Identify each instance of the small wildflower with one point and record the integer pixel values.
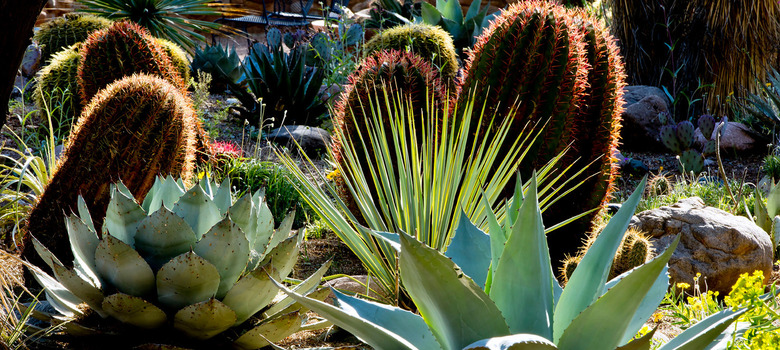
(333, 174)
(683, 286)
(226, 150)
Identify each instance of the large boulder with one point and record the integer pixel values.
(735, 138)
(313, 141)
(641, 126)
(359, 284)
(717, 244)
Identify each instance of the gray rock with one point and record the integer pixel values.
(641, 126)
(355, 284)
(736, 137)
(31, 62)
(314, 141)
(717, 244)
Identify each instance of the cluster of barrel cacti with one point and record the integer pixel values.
(635, 249)
(680, 139)
(67, 30)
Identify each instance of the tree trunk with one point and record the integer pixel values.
(17, 19)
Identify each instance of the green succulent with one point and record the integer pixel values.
(448, 15)
(195, 260)
(223, 65)
(178, 57)
(498, 291)
(67, 30)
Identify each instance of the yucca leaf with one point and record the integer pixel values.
(205, 319)
(523, 283)
(270, 331)
(704, 332)
(470, 248)
(587, 282)
(198, 210)
(120, 265)
(162, 236)
(225, 246)
(123, 215)
(186, 279)
(134, 310)
(515, 341)
(456, 310)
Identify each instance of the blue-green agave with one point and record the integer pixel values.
(195, 260)
(498, 291)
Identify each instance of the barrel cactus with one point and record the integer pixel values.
(123, 49)
(634, 250)
(67, 30)
(134, 129)
(192, 259)
(58, 78)
(560, 70)
(429, 42)
(177, 56)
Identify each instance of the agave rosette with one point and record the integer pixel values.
(195, 260)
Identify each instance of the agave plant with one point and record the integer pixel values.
(223, 65)
(449, 15)
(168, 19)
(498, 291)
(194, 260)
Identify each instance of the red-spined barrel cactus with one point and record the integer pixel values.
(560, 69)
(134, 130)
(393, 74)
(123, 49)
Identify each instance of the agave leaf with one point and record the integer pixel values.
(265, 223)
(123, 267)
(522, 341)
(514, 205)
(283, 257)
(227, 248)
(303, 288)
(207, 187)
(120, 186)
(497, 240)
(704, 332)
(80, 288)
(390, 238)
(724, 339)
(319, 294)
(223, 198)
(250, 294)
(83, 243)
(450, 9)
(243, 214)
(186, 279)
(46, 255)
(642, 343)
(279, 235)
(456, 310)
(649, 304)
(473, 10)
(773, 201)
(162, 236)
(615, 309)
(56, 294)
(587, 281)
(81, 206)
(470, 248)
(123, 216)
(430, 14)
(523, 284)
(198, 210)
(205, 319)
(134, 310)
(166, 193)
(366, 330)
(270, 332)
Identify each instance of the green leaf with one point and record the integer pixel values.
(57, 295)
(704, 332)
(283, 257)
(367, 331)
(162, 236)
(198, 210)
(46, 255)
(456, 310)
(303, 288)
(204, 320)
(587, 281)
(165, 192)
(642, 343)
(615, 309)
(470, 249)
(134, 310)
(225, 246)
(84, 213)
(80, 287)
(451, 10)
(430, 14)
(123, 267)
(250, 294)
(83, 242)
(473, 10)
(270, 332)
(523, 284)
(186, 280)
(649, 304)
(223, 198)
(513, 342)
(123, 215)
(279, 235)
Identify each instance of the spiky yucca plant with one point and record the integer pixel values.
(65, 31)
(559, 68)
(134, 129)
(191, 259)
(60, 74)
(121, 50)
(429, 42)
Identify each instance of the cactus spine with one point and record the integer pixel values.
(133, 130)
(177, 56)
(58, 76)
(123, 49)
(67, 30)
(559, 68)
(635, 249)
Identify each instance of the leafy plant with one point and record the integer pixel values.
(386, 14)
(771, 167)
(287, 86)
(203, 266)
(498, 291)
(336, 50)
(169, 19)
(448, 15)
(762, 109)
(223, 65)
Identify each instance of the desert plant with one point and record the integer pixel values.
(177, 56)
(286, 84)
(558, 67)
(771, 167)
(65, 31)
(223, 65)
(634, 250)
(168, 19)
(118, 51)
(762, 108)
(498, 291)
(429, 42)
(134, 129)
(335, 51)
(679, 139)
(61, 74)
(448, 15)
(203, 266)
(386, 14)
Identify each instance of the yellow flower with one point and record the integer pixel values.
(333, 174)
(683, 286)
(657, 317)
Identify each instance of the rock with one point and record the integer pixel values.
(717, 244)
(736, 137)
(354, 284)
(31, 62)
(641, 125)
(314, 141)
(328, 93)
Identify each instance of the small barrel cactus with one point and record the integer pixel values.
(194, 260)
(123, 49)
(177, 56)
(134, 129)
(635, 249)
(65, 31)
(58, 78)
(429, 42)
